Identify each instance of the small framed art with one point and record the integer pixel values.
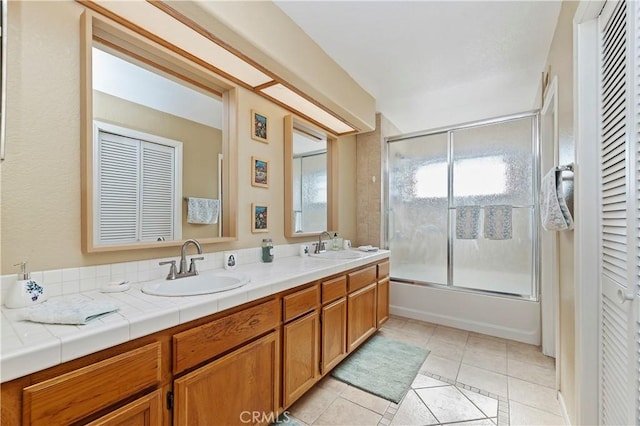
(259, 126)
(259, 172)
(259, 217)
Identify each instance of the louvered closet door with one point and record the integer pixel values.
(618, 201)
(158, 197)
(117, 176)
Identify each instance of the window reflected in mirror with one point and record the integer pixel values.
(310, 179)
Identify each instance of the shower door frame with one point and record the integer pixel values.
(536, 236)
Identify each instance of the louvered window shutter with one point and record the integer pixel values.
(136, 190)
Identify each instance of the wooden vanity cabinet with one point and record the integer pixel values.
(301, 343)
(241, 366)
(233, 389)
(233, 386)
(361, 306)
(145, 411)
(334, 334)
(88, 390)
(383, 292)
(334, 322)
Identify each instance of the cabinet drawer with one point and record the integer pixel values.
(334, 289)
(199, 344)
(383, 270)
(301, 302)
(77, 394)
(362, 278)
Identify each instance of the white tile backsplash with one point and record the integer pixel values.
(65, 281)
(52, 277)
(70, 274)
(87, 272)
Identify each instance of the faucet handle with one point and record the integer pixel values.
(192, 265)
(173, 271)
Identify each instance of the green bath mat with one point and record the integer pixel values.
(383, 367)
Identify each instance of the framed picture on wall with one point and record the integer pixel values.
(259, 217)
(259, 126)
(259, 172)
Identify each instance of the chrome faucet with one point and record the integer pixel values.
(319, 246)
(184, 272)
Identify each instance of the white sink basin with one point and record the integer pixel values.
(205, 283)
(338, 254)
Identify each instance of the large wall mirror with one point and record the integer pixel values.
(156, 151)
(311, 179)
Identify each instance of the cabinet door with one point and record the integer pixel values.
(334, 334)
(238, 389)
(145, 411)
(383, 301)
(301, 355)
(361, 308)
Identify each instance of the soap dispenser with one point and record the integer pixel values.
(25, 292)
(335, 244)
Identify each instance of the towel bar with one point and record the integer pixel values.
(565, 168)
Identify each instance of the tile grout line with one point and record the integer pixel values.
(503, 402)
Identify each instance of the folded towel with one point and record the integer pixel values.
(498, 222)
(467, 222)
(202, 210)
(70, 311)
(554, 213)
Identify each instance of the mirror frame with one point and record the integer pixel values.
(332, 179)
(97, 28)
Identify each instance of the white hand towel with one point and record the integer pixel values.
(498, 222)
(202, 210)
(70, 311)
(467, 222)
(554, 212)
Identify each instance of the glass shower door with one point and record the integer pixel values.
(418, 208)
(493, 178)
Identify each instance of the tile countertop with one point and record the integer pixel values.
(27, 347)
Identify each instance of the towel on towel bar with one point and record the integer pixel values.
(202, 210)
(467, 222)
(498, 222)
(554, 213)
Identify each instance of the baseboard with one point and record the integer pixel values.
(469, 325)
(563, 409)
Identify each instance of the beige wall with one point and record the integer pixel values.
(560, 60)
(40, 194)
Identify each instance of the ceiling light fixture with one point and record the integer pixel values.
(161, 23)
(283, 95)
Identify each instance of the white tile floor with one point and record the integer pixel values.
(467, 379)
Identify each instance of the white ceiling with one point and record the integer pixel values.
(436, 63)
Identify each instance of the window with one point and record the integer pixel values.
(138, 186)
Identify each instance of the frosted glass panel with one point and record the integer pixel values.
(490, 168)
(493, 164)
(310, 192)
(503, 266)
(418, 209)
